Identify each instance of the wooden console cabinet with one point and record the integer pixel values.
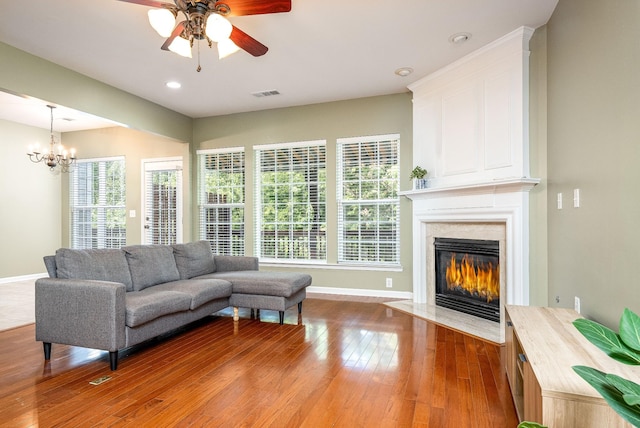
(541, 347)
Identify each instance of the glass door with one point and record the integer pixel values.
(162, 205)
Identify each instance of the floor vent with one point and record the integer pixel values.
(100, 380)
(265, 93)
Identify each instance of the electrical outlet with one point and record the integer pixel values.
(389, 282)
(576, 304)
(557, 299)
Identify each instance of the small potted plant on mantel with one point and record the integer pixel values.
(418, 175)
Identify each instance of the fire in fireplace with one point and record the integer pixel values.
(468, 276)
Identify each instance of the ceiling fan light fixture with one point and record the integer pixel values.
(218, 27)
(181, 46)
(162, 20)
(226, 47)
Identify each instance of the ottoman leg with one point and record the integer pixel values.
(281, 313)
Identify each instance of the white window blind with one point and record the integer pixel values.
(221, 199)
(290, 202)
(368, 201)
(97, 204)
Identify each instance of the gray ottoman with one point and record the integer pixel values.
(276, 291)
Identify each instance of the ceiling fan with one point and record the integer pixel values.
(206, 20)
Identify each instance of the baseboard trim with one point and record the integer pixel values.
(23, 277)
(361, 292)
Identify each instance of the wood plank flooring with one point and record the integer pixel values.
(341, 364)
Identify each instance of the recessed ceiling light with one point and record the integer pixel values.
(404, 71)
(459, 38)
(174, 85)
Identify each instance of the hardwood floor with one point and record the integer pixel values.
(346, 364)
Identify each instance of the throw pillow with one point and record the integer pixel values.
(194, 259)
(150, 265)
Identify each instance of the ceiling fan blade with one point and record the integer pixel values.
(151, 3)
(257, 7)
(246, 42)
(175, 33)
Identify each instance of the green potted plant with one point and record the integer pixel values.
(418, 175)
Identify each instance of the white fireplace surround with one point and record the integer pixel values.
(501, 202)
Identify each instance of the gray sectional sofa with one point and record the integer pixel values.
(111, 299)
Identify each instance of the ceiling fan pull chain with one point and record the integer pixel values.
(199, 68)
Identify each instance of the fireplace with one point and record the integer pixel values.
(467, 276)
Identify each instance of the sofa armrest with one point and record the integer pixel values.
(235, 263)
(79, 312)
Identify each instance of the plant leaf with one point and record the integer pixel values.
(623, 385)
(631, 399)
(630, 329)
(610, 393)
(527, 424)
(601, 336)
(626, 356)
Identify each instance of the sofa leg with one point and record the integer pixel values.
(252, 313)
(299, 308)
(235, 313)
(281, 313)
(113, 360)
(47, 350)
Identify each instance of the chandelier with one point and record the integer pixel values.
(56, 156)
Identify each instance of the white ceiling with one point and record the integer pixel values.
(323, 50)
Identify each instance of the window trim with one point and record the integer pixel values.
(340, 202)
(257, 201)
(73, 206)
(200, 192)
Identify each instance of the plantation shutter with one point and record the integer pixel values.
(97, 203)
(290, 202)
(368, 200)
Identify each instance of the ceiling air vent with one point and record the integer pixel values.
(265, 93)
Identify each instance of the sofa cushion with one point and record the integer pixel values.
(283, 284)
(194, 259)
(200, 291)
(93, 264)
(147, 305)
(150, 265)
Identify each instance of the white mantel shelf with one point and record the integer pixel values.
(494, 186)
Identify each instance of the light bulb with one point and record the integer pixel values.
(226, 47)
(181, 46)
(218, 27)
(162, 20)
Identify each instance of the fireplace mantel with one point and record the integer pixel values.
(494, 186)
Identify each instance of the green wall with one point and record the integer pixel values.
(329, 121)
(594, 146)
(538, 227)
(25, 74)
(30, 211)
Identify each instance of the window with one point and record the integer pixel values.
(368, 201)
(290, 202)
(221, 199)
(97, 204)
